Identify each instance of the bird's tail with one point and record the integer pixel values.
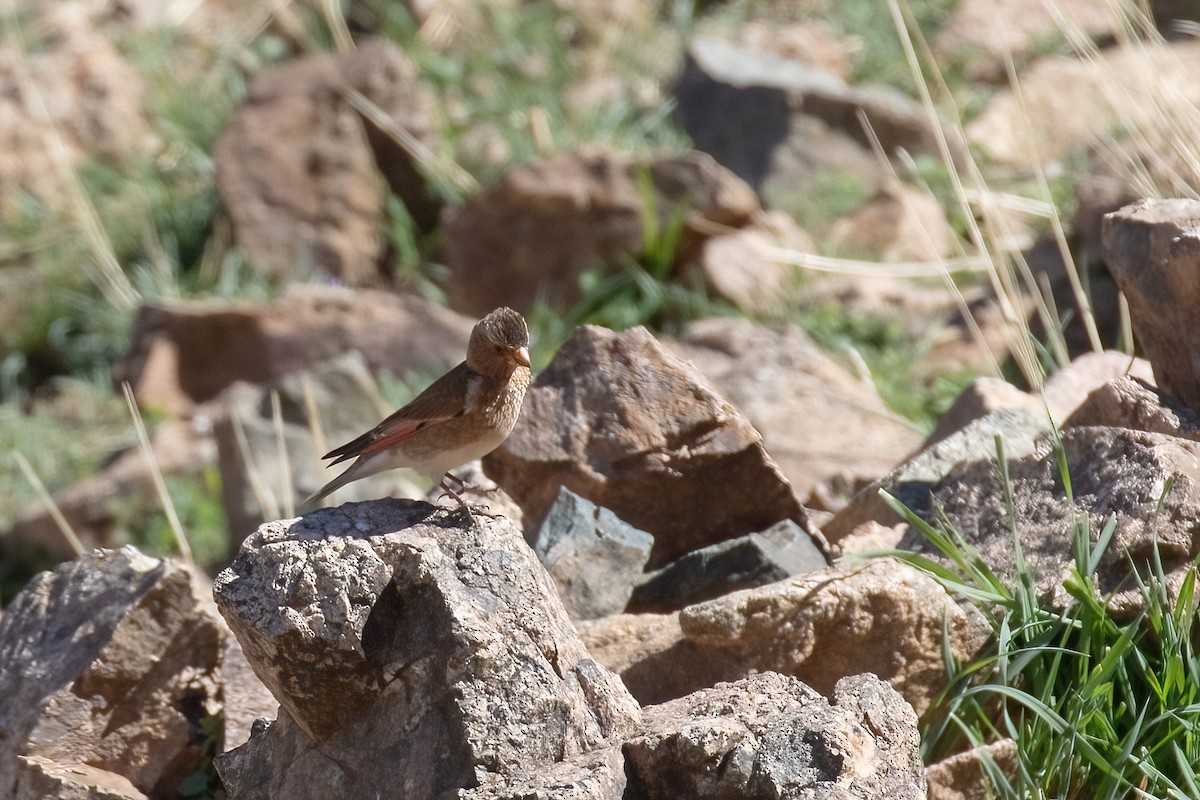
(352, 474)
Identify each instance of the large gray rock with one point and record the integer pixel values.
(1153, 250)
(414, 652)
(111, 661)
(619, 420)
(769, 736)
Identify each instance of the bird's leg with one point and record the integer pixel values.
(464, 486)
(445, 487)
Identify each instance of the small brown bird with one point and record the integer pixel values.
(463, 415)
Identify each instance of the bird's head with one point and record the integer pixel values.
(499, 344)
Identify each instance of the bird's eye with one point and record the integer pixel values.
(499, 348)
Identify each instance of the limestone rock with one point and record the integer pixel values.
(299, 166)
(822, 425)
(414, 652)
(772, 736)
(544, 223)
(619, 420)
(743, 267)
(186, 353)
(1153, 250)
(40, 778)
(594, 557)
(111, 661)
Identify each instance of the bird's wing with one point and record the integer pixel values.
(446, 398)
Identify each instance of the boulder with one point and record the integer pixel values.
(619, 420)
(186, 353)
(302, 171)
(1134, 404)
(822, 425)
(1153, 250)
(771, 736)
(414, 652)
(111, 661)
(533, 234)
(595, 559)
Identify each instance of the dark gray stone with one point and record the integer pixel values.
(756, 559)
(594, 557)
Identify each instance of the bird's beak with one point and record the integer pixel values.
(522, 357)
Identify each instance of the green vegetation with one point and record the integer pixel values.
(1099, 705)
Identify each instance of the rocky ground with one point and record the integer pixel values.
(674, 592)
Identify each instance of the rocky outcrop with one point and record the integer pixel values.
(109, 667)
(394, 629)
(620, 421)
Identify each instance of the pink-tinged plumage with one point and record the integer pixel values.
(462, 416)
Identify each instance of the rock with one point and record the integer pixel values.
(258, 481)
(619, 420)
(187, 353)
(1147, 481)
(744, 267)
(813, 42)
(881, 617)
(1153, 250)
(981, 397)
(1062, 394)
(246, 698)
(898, 224)
(78, 85)
(545, 223)
(772, 736)
(299, 168)
(1018, 132)
(1132, 403)
(778, 124)
(779, 552)
(962, 776)
(594, 558)
(40, 778)
(868, 523)
(111, 661)
(984, 32)
(98, 507)
(598, 775)
(409, 655)
(823, 426)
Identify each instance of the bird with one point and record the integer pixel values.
(463, 415)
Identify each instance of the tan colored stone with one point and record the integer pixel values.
(898, 224)
(962, 777)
